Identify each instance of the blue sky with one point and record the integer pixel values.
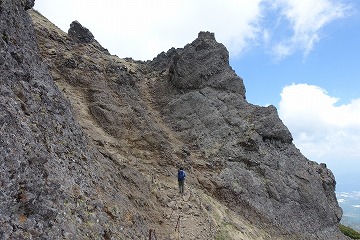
(301, 56)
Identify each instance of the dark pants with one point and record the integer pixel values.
(181, 186)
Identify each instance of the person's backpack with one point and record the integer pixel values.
(181, 175)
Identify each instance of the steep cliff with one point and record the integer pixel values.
(54, 183)
(90, 150)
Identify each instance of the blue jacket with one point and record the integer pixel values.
(181, 175)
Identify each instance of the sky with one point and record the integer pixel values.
(303, 57)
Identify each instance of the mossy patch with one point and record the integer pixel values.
(349, 232)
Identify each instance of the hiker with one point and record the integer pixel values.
(181, 179)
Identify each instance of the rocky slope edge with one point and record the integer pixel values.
(91, 151)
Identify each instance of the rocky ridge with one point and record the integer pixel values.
(91, 151)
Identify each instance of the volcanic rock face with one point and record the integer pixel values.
(53, 181)
(98, 159)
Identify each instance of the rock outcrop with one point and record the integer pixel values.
(254, 168)
(79, 33)
(205, 63)
(90, 150)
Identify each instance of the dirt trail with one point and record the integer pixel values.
(195, 215)
(184, 214)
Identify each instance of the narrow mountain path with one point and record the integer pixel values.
(196, 215)
(184, 214)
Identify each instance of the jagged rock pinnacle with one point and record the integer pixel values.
(206, 35)
(205, 63)
(80, 33)
(29, 4)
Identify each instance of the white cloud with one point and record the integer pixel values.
(348, 195)
(143, 28)
(355, 195)
(322, 130)
(342, 195)
(306, 19)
